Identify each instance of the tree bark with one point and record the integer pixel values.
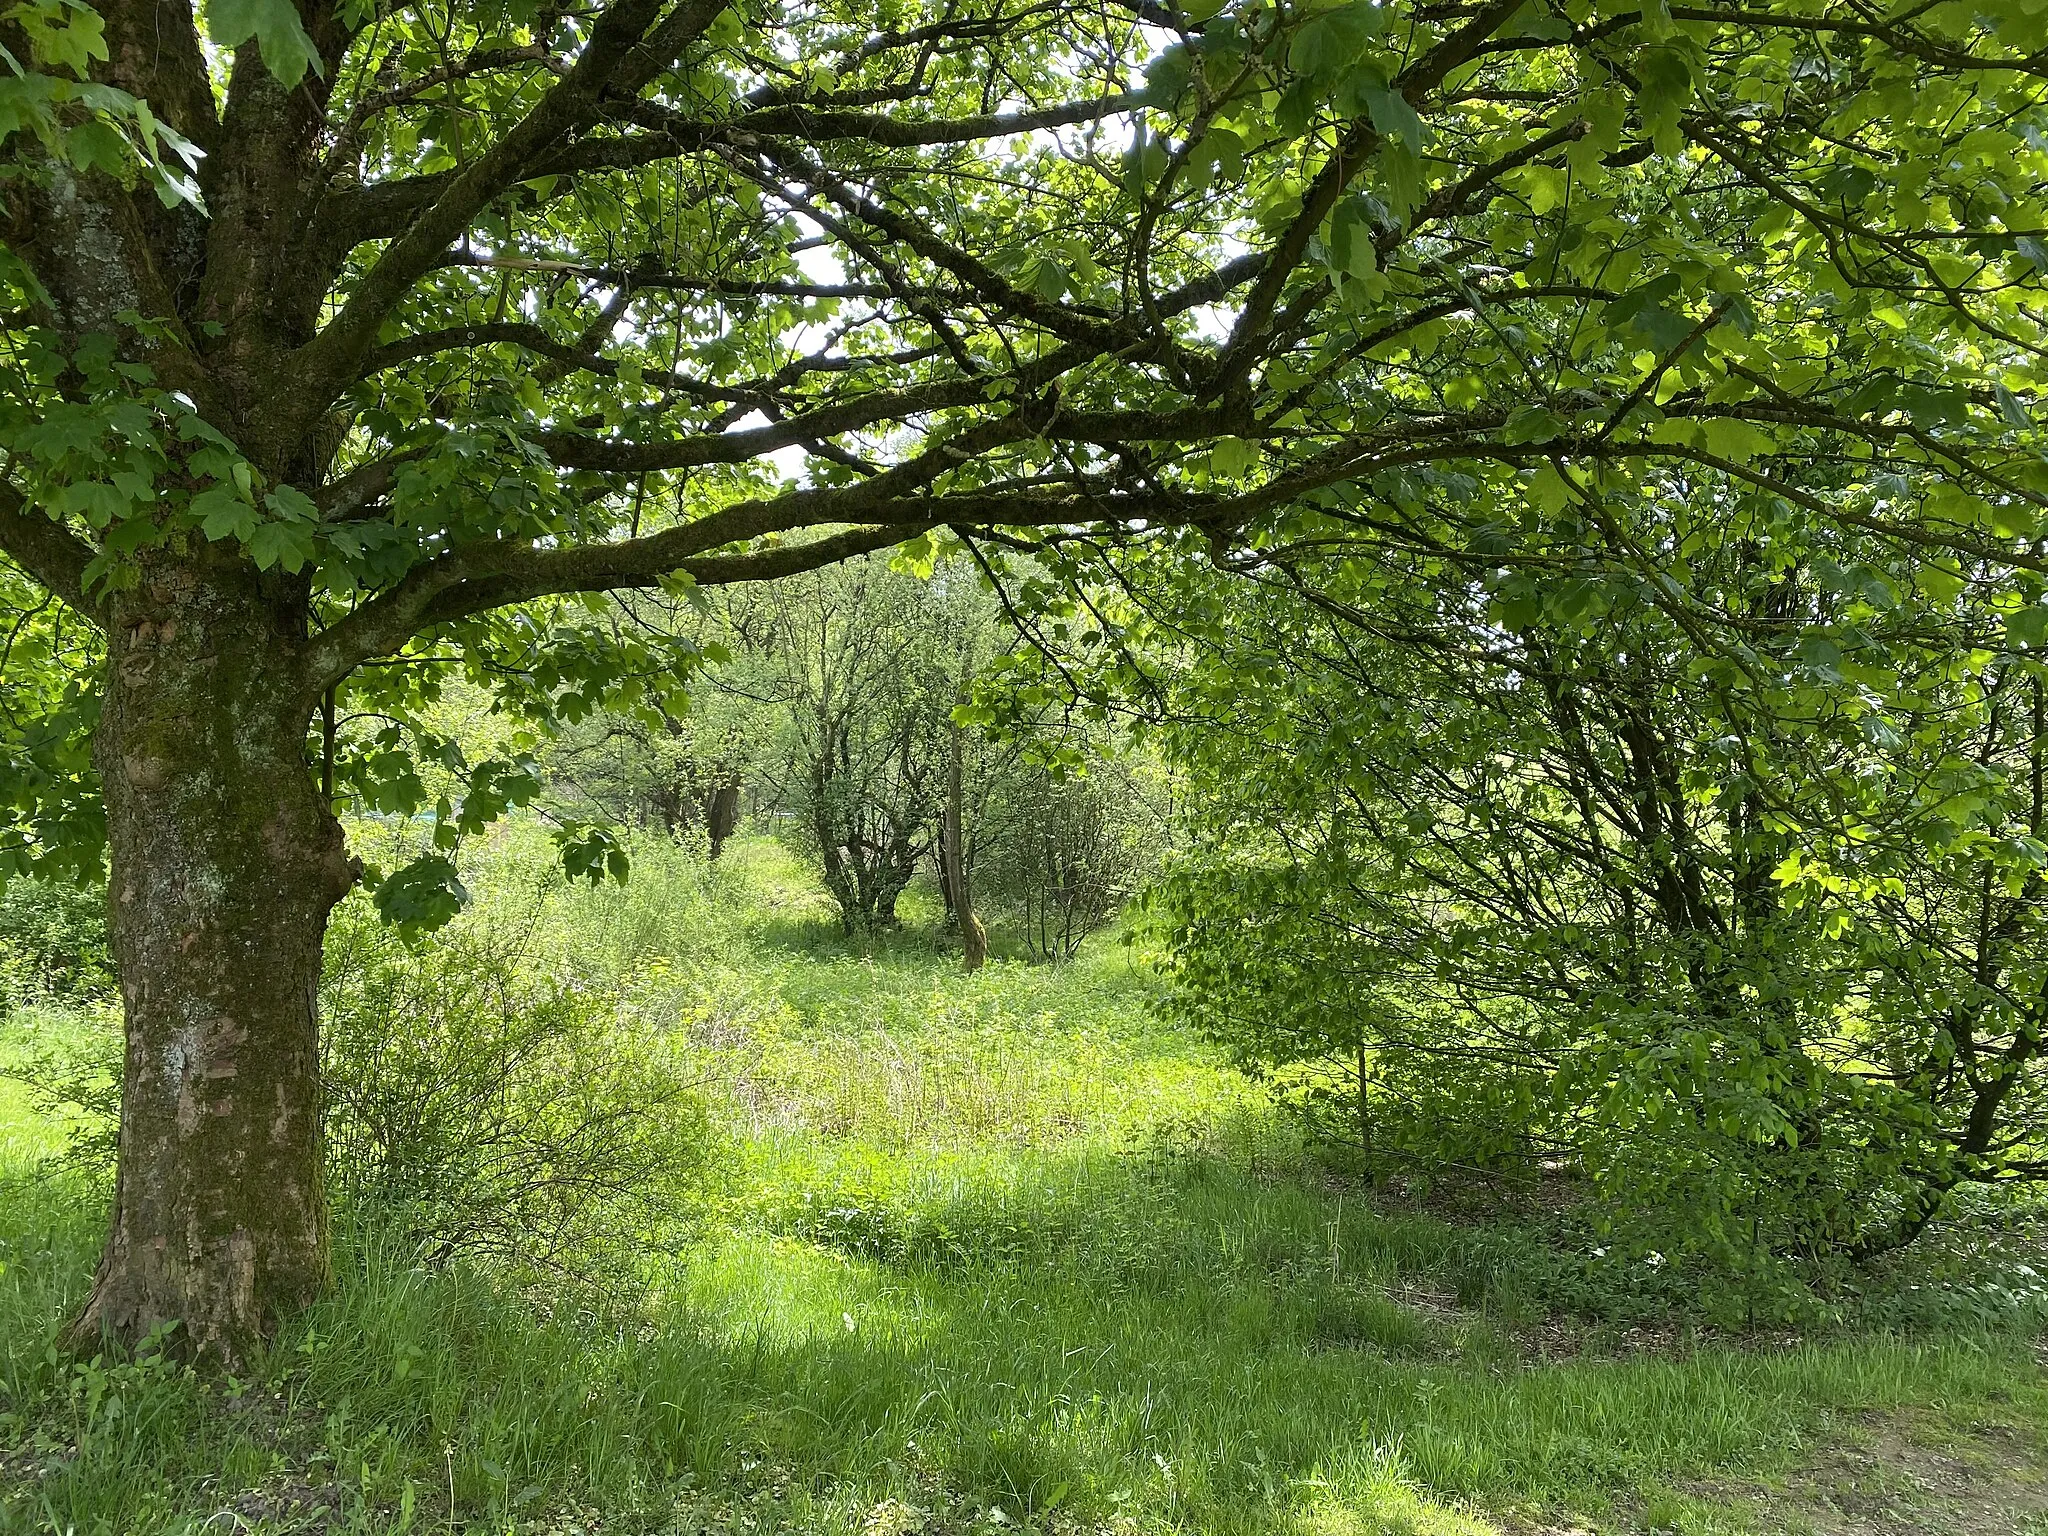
(1365, 1136)
(722, 814)
(953, 871)
(226, 861)
(945, 865)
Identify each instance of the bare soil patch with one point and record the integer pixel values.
(1916, 1474)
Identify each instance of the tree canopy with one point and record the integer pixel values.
(422, 313)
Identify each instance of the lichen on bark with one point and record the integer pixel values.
(226, 861)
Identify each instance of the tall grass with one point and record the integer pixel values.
(988, 1253)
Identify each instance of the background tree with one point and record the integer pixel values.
(855, 665)
(1747, 924)
(345, 335)
(1067, 849)
(682, 756)
(848, 697)
(958, 841)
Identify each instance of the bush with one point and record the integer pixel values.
(1067, 850)
(476, 1104)
(53, 941)
(68, 1064)
(494, 1110)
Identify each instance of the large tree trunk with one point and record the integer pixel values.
(226, 862)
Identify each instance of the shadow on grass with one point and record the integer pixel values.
(1093, 1344)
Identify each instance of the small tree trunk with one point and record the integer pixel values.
(973, 941)
(671, 803)
(954, 874)
(892, 871)
(226, 862)
(945, 869)
(1365, 1139)
(722, 815)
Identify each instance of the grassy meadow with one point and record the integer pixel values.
(988, 1253)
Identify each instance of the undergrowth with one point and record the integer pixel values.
(964, 1253)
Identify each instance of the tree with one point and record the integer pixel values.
(1066, 849)
(681, 757)
(1754, 933)
(972, 762)
(847, 655)
(345, 336)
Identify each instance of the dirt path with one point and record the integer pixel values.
(1914, 1476)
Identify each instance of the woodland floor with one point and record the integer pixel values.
(991, 1255)
(1913, 1473)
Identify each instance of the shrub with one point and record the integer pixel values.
(494, 1110)
(1066, 851)
(68, 1064)
(53, 940)
(482, 1098)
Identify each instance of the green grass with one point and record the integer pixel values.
(986, 1253)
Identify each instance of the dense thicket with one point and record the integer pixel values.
(1728, 892)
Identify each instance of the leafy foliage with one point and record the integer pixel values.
(1519, 322)
(1066, 850)
(478, 1107)
(1411, 266)
(1747, 929)
(860, 662)
(490, 1111)
(53, 941)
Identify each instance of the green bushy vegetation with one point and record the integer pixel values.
(951, 1252)
(1517, 534)
(53, 941)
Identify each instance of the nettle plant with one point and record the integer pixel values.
(348, 345)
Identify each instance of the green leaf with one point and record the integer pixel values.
(1400, 179)
(64, 34)
(1940, 583)
(1531, 424)
(1736, 440)
(424, 895)
(1049, 280)
(1225, 150)
(97, 501)
(1547, 488)
(1318, 48)
(1394, 118)
(223, 515)
(132, 534)
(1328, 45)
(292, 504)
(2027, 628)
(1233, 456)
(1666, 88)
(97, 146)
(287, 544)
(1543, 185)
(590, 853)
(280, 37)
(915, 557)
(1350, 240)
